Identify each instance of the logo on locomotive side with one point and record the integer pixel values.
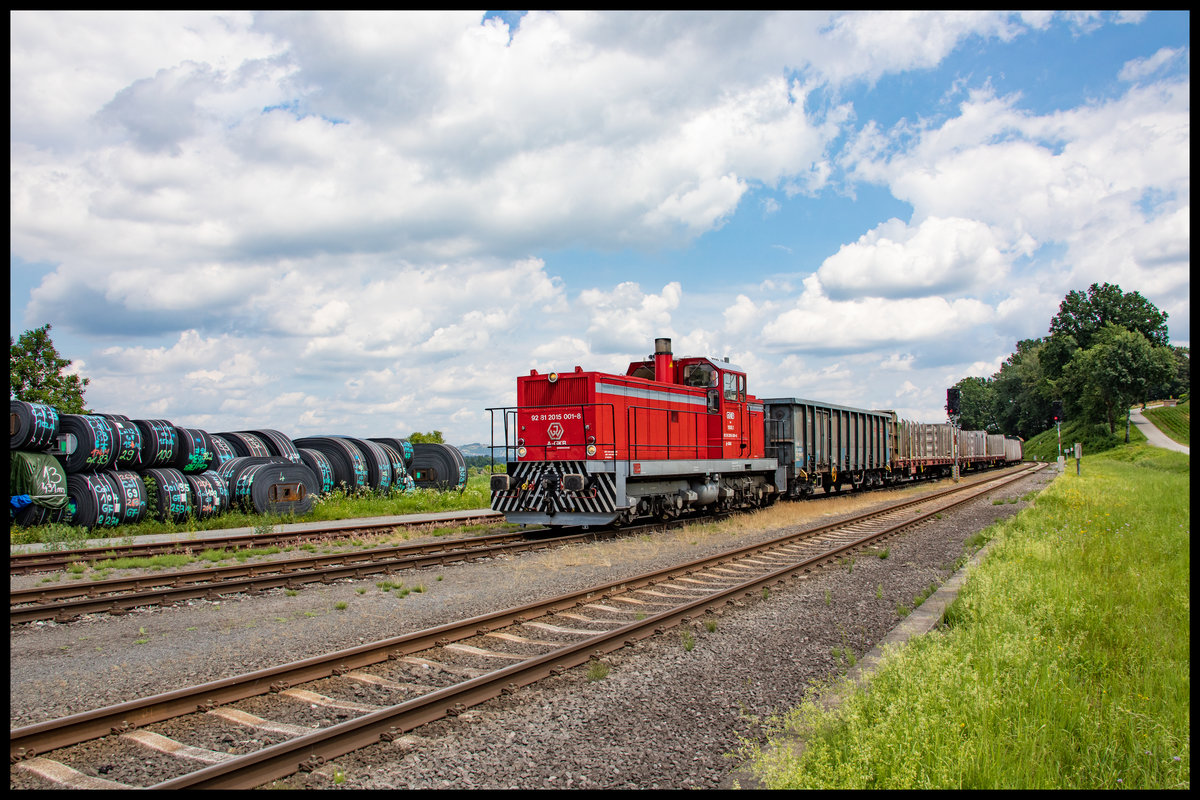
(555, 431)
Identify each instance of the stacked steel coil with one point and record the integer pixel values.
(112, 470)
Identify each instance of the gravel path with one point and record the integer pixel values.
(1155, 436)
(665, 716)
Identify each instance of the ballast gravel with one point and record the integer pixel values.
(671, 712)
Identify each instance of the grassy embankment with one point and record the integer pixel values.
(1174, 421)
(1064, 664)
(1093, 438)
(329, 507)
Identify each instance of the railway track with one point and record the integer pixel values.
(65, 602)
(430, 674)
(47, 561)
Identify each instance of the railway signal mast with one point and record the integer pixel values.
(1058, 416)
(953, 411)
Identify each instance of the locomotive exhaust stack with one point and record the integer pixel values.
(662, 361)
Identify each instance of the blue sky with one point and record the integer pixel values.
(371, 224)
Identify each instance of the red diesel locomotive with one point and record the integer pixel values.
(674, 435)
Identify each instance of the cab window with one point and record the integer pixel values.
(735, 387)
(700, 375)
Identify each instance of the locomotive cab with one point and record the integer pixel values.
(732, 413)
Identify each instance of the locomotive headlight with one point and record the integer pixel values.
(521, 452)
(591, 449)
(552, 377)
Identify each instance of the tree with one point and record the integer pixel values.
(1057, 354)
(433, 437)
(977, 405)
(1180, 381)
(35, 373)
(1104, 380)
(1084, 317)
(1022, 392)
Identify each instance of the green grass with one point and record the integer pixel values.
(327, 508)
(1174, 421)
(597, 670)
(1064, 664)
(1094, 438)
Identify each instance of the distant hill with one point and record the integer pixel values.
(479, 449)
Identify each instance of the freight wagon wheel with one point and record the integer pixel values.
(32, 426)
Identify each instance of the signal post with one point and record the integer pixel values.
(953, 412)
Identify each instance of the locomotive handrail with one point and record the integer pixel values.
(513, 411)
(631, 424)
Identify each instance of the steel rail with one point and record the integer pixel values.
(120, 594)
(22, 563)
(30, 740)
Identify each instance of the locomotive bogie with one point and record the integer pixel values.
(605, 492)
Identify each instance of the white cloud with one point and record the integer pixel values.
(1107, 183)
(818, 323)
(425, 133)
(743, 314)
(941, 256)
(870, 45)
(1138, 68)
(901, 362)
(626, 316)
(1044, 177)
